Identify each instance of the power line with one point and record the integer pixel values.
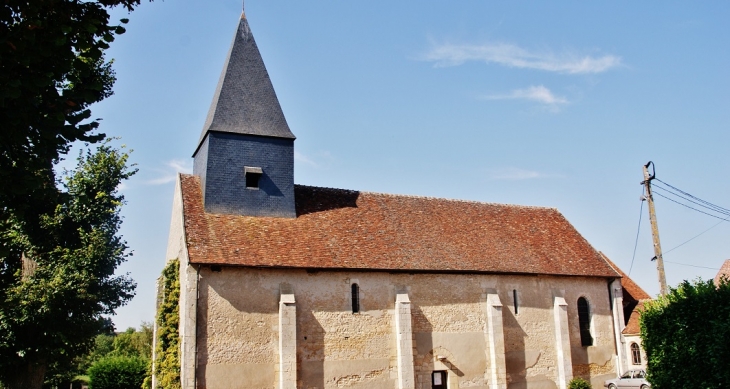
(694, 197)
(684, 264)
(636, 243)
(715, 209)
(692, 238)
(685, 205)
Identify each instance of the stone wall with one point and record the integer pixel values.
(238, 325)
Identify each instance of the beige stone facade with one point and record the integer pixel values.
(238, 330)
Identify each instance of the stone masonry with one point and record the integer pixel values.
(246, 323)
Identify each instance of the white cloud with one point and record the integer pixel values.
(321, 160)
(299, 157)
(516, 174)
(538, 94)
(514, 56)
(170, 171)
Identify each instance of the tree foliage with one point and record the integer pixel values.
(167, 352)
(51, 315)
(134, 343)
(686, 336)
(52, 68)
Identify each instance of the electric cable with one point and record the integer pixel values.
(692, 238)
(717, 209)
(684, 264)
(694, 197)
(636, 243)
(685, 205)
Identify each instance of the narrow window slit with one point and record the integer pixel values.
(355, 298)
(584, 322)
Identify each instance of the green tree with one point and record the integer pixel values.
(51, 311)
(52, 69)
(686, 336)
(134, 343)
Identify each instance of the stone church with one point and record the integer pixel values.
(293, 286)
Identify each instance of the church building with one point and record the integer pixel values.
(292, 286)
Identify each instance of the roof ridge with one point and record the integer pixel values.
(431, 198)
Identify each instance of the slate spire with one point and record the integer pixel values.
(244, 101)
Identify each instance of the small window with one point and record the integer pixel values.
(355, 298)
(253, 176)
(584, 322)
(438, 380)
(635, 354)
(514, 297)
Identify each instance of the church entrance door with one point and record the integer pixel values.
(438, 380)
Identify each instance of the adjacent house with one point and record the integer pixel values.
(724, 272)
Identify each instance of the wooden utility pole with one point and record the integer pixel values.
(654, 228)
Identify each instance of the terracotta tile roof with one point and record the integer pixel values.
(724, 271)
(631, 288)
(343, 229)
(632, 327)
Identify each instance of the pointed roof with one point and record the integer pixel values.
(245, 101)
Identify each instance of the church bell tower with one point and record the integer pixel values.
(245, 155)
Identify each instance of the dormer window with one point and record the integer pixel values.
(253, 176)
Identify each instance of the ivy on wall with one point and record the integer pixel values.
(167, 352)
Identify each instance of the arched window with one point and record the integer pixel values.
(355, 298)
(584, 322)
(635, 354)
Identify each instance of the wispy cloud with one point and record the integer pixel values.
(516, 174)
(299, 157)
(537, 93)
(170, 171)
(321, 159)
(514, 56)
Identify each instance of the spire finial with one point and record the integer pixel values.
(243, 9)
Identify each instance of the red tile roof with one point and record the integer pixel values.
(724, 271)
(343, 229)
(632, 327)
(632, 290)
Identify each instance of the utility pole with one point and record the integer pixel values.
(654, 228)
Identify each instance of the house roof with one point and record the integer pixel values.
(724, 272)
(244, 101)
(632, 327)
(345, 229)
(631, 288)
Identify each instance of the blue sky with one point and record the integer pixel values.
(533, 103)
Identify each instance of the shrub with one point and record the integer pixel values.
(167, 361)
(118, 373)
(579, 383)
(685, 335)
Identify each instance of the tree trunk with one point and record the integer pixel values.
(29, 376)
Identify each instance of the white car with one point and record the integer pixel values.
(630, 379)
